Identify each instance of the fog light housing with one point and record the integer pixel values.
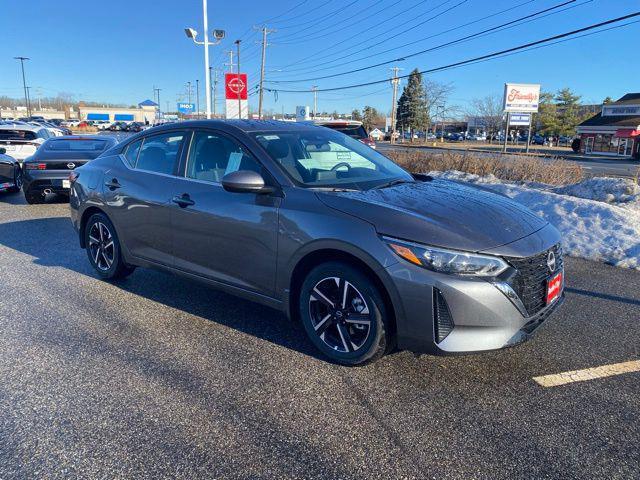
(442, 320)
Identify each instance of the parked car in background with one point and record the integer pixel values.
(117, 126)
(102, 124)
(134, 127)
(22, 141)
(10, 173)
(352, 128)
(314, 223)
(71, 123)
(537, 140)
(47, 171)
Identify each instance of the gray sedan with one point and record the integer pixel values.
(320, 226)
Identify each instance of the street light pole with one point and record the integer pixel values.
(237, 42)
(198, 98)
(206, 59)
(24, 84)
(315, 101)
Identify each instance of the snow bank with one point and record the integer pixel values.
(599, 218)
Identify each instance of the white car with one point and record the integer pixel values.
(22, 141)
(55, 132)
(102, 124)
(71, 123)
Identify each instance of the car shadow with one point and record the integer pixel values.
(17, 198)
(603, 296)
(52, 242)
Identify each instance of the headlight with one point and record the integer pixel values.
(448, 261)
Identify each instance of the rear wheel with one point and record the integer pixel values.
(344, 314)
(17, 180)
(103, 248)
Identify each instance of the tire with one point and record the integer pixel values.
(34, 198)
(357, 331)
(17, 181)
(103, 248)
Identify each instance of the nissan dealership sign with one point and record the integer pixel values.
(521, 97)
(236, 94)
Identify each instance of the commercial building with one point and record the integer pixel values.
(615, 130)
(146, 112)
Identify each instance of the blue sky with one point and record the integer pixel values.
(117, 51)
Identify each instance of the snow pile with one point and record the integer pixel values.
(609, 190)
(592, 224)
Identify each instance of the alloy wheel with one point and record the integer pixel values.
(339, 314)
(101, 246)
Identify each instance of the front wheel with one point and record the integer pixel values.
(344, 314)
(103, 248)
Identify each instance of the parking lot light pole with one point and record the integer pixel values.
(218, 35)
(24, 84)
(237, 42)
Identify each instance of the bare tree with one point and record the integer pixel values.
(436, 96)
(489, 110)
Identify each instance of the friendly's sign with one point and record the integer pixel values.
(521, 97)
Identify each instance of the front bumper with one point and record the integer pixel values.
(484, 318)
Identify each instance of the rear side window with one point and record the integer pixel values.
(357, 132)
(131, 154)
(160, 153)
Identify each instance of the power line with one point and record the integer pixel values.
(313, 69)
(272, 19)
(341, 43)
(482, 57)
(437, 47)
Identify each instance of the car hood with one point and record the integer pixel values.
(441, 213)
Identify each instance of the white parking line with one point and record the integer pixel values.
(558, 379)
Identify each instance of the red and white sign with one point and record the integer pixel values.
(554, 287)
(235, 85)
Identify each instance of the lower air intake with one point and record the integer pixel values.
(443, 322)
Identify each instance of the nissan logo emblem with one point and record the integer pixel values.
(71, 166)
(551, 262)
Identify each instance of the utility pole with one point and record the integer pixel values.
(24, 84)
(156, 91)
(237, 42)
(198, 98)
(314, 89)
(265, 32)
(395, 81)
(230, 64)
(28, 101)
(214, 84)
(189, 91)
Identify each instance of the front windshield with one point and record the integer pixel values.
(324, 158)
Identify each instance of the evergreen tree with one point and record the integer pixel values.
(412, 110)
(568, 108)
(369, 117)
(547, 116)
(355, 115)
(608, 100)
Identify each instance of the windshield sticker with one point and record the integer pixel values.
(234, 162)
(343, 155)
(271, 137)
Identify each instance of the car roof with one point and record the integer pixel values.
(338, 122)
(84, 137)
(244, 126)
(15, 126)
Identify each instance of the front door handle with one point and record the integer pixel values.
(183, 200)
(113, 184)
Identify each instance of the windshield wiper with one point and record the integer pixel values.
(397, 181)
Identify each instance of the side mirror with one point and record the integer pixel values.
(245, 181)
(3, 151)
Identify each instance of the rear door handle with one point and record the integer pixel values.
(113, 184)
(183, 200)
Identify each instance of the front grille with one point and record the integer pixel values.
(443, 323)
(530, 280)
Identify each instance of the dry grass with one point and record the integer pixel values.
(554, 172)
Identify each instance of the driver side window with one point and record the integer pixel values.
(213, 155)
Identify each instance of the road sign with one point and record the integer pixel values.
(235, 86)
(521, 97)
(520, 119)
(302, 113)
(186, 108)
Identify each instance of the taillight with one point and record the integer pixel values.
(35, 166)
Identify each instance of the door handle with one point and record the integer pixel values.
(112, 184)
(183, 200)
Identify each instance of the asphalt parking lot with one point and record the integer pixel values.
(158, 376)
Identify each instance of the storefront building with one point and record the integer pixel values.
(615, 130)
